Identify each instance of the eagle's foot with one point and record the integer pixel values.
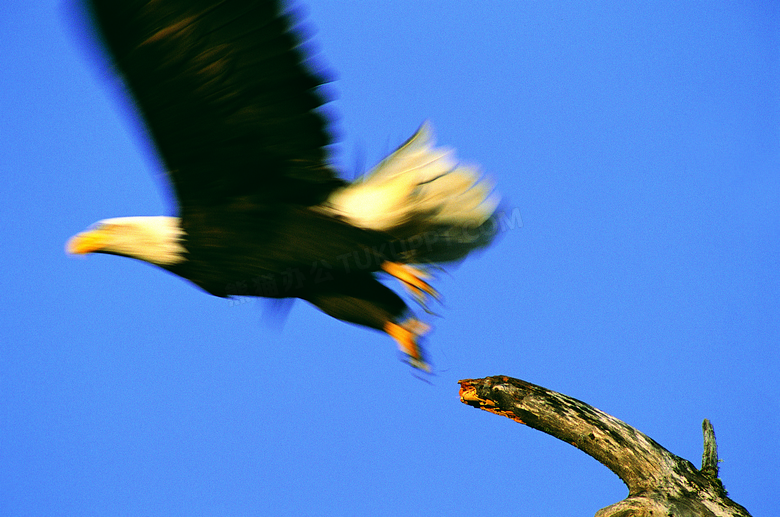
(407, 334)
(414, 280)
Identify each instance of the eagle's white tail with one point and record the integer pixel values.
(419, 188)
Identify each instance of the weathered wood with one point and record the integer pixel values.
(709, 458)
(659, 483)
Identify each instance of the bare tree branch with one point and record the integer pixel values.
(659, 483)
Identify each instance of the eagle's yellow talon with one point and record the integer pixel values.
(414, 279)
(407, 335)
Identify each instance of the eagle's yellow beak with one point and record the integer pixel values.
(87, 242)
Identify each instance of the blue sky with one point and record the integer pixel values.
(639, 142)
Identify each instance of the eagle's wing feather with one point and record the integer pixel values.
(225, 91)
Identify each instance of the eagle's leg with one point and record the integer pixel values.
(414, 280)
(362, 299)
(407, 334)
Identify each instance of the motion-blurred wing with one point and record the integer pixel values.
(223, 88)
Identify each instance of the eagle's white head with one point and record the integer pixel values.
(152, 239)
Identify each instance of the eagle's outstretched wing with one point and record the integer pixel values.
(225, 91)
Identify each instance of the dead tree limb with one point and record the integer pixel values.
(659, 483)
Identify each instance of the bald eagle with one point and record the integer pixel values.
(233, 109)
